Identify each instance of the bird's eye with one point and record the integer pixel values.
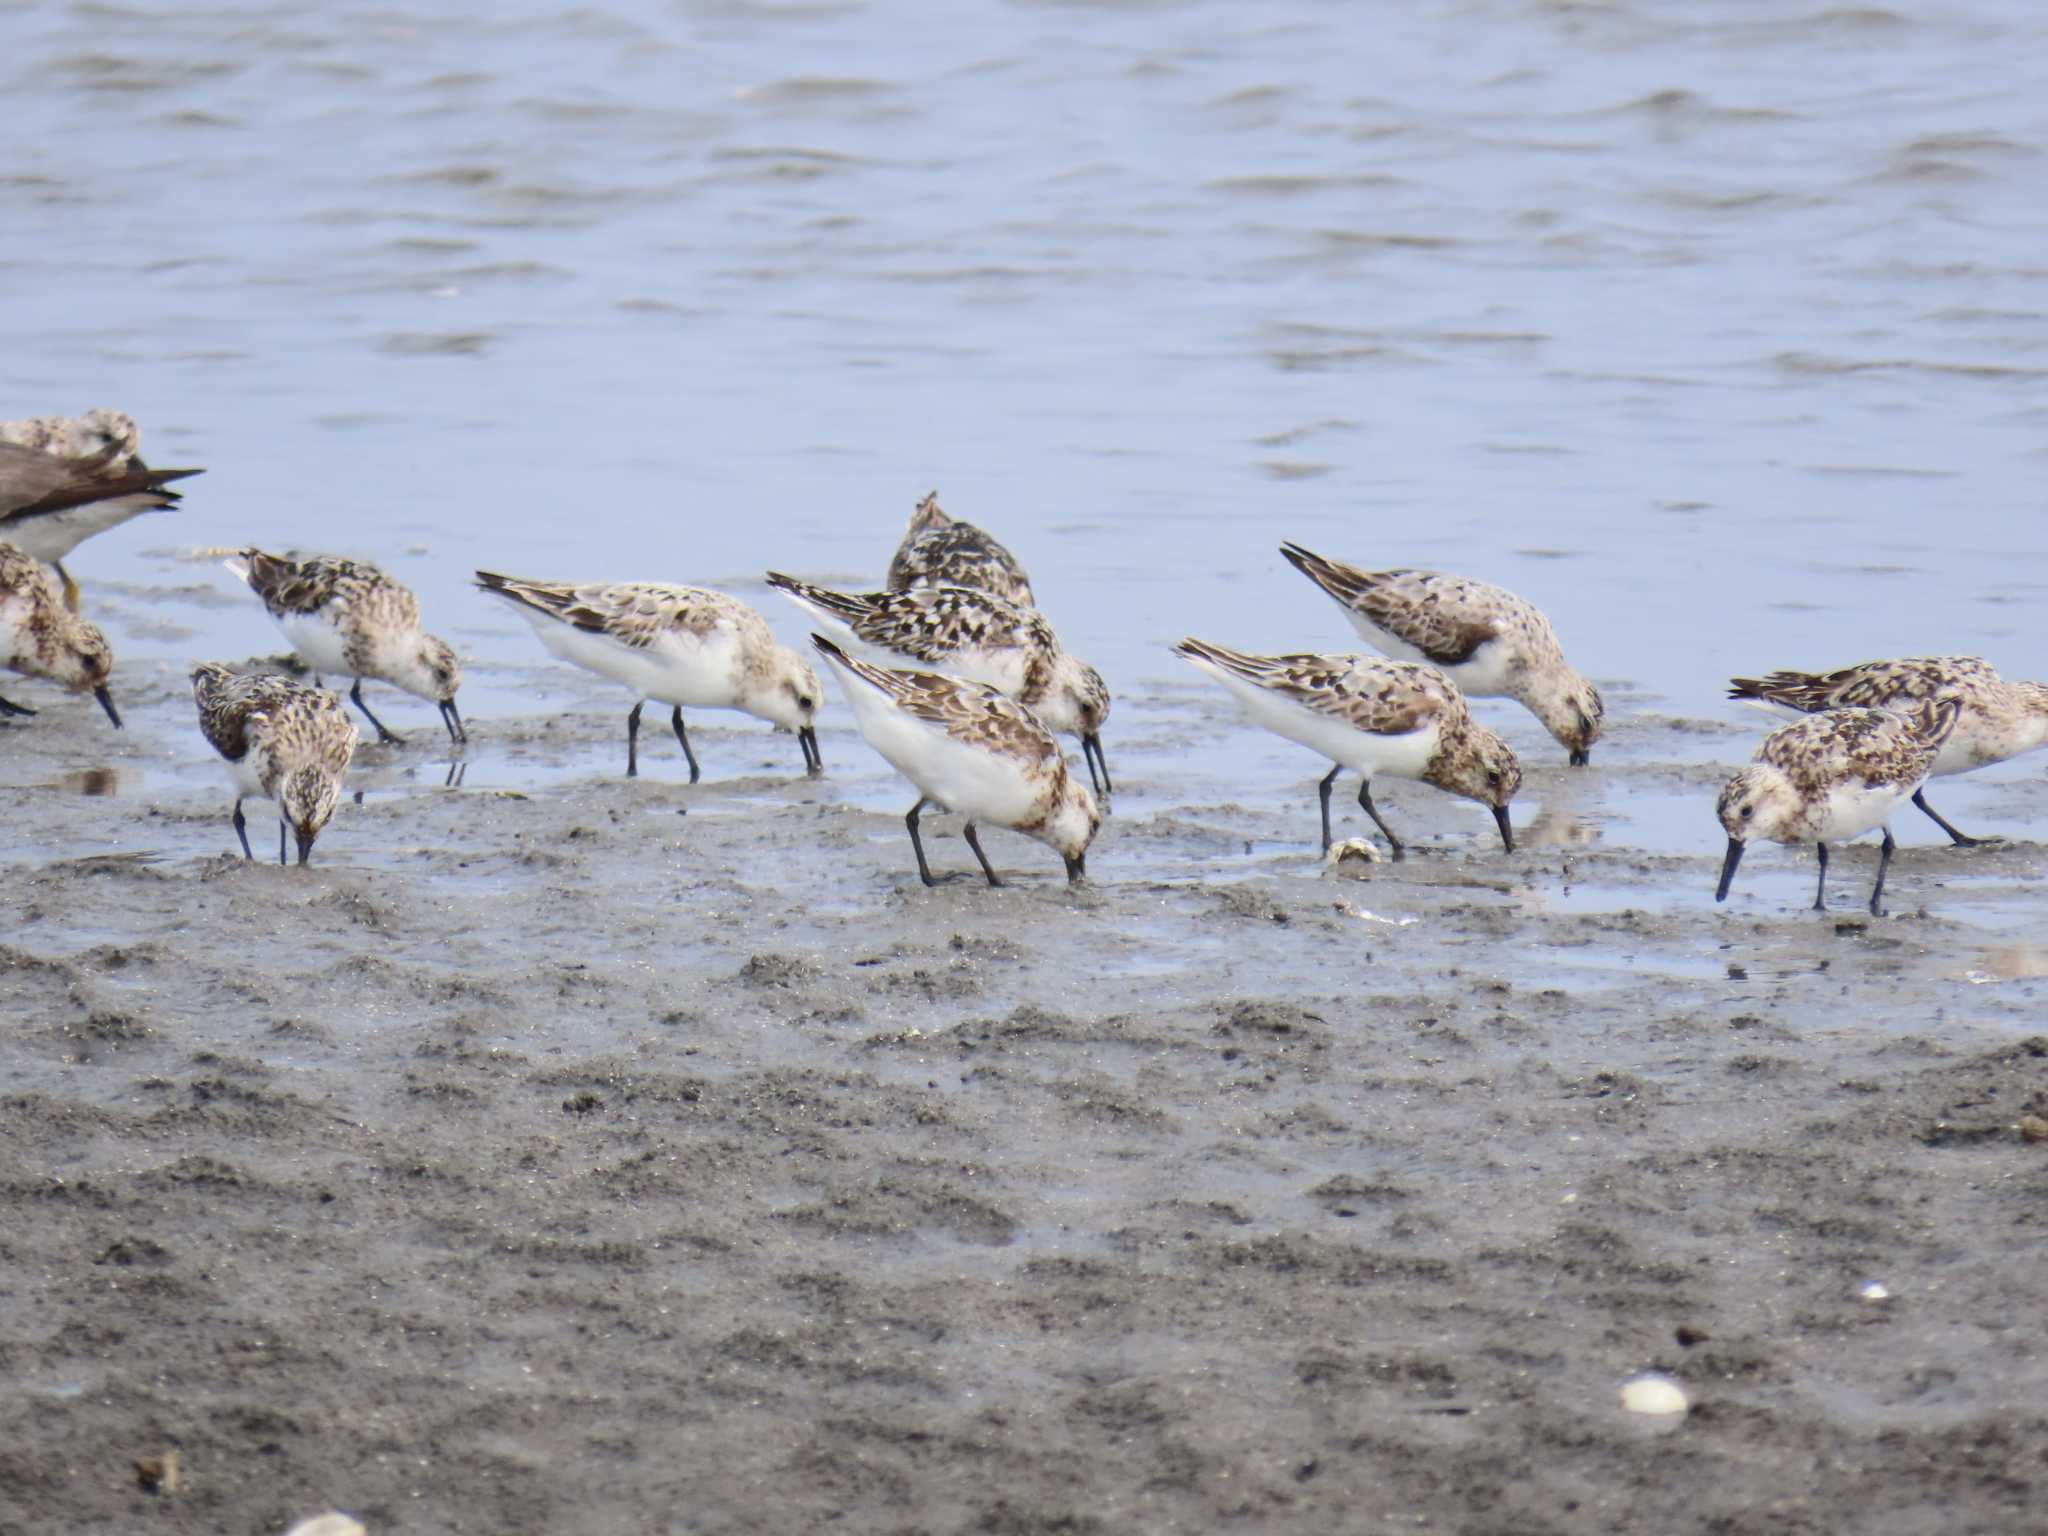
(1493, 778)
(1746, 810)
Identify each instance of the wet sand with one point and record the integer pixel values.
(609, 1156)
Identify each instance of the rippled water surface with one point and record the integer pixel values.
(1718, 330)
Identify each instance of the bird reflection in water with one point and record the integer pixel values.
(88, 781)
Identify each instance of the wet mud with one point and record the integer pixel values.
(600, 1155)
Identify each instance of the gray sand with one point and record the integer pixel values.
(563, 1161)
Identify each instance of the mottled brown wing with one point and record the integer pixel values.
(934, 623)
(1878, 746)
(1868, 684)
(1434, 613)
(969, 712)
(959, 555)
(289, 585)
(1386, 698)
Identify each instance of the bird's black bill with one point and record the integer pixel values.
(1507, 832)
(1580, 758)
(1077, 870)
(9, 711)
(107, 703)
(1091, 749)
(1728, 869)
(807, 738)
(305, 844)
(453, 720)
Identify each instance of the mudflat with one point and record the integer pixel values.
(623, 1156)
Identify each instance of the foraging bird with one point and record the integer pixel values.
(1378, 717)
(977, 636)
(941, 551)
(280, 740)
(972, 749)
(1488, 641)
(677, 645)
(1999, 719)
(41, 637)
(1830, 777)
(348, 617)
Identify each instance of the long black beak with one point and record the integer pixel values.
(1507, 833)
(305, 843)
(1077, 869)
(1581, 757)
(1091, 749)
(453, 720)
(814, 760)
(107, 703)
(1728, 869)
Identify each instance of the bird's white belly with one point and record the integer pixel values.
(1853, 808)
(247, 775)
(699, 674)
(318, 643)
(980, 785)
(1404, 756)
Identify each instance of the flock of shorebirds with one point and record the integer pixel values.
(973, 718)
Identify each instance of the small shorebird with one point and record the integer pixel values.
(281, 740)
(1488, 641)
(41, 637)
(677, 645)
(1830, 777)
(347, 617)
(64, 479)
(1999, 719)
(972, 749)
(978, 636)
(940, 551)
(1392, 717)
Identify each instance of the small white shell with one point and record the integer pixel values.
(333, 1523)
(1352, 857)
(1874, 1291)
(1653, 1394)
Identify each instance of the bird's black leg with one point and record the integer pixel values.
(633, 741)
(1961, 840)
(280, 840)
(242, 829)
(7, 709)
(975, 843)
(684, 737)
(1365, 799)
(1323, 790)
(1884, 858)
(383, 736)
(1820, 891)
(924, 870)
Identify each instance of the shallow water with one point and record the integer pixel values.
(1721, 337)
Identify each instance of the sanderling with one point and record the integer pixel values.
(978, 636)
(1375, 716)
(1831, 777)
(344, 616)
(41, 637)
(676, 645)
(64, 479)
(939, 551)
(972, 749)
(281, 740)
(1488, 641)
(1999, 720)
